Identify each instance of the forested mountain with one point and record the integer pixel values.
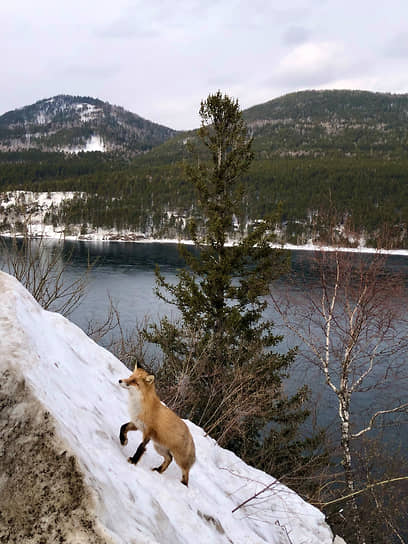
(326, 157)
(78, 123)
(320, 122)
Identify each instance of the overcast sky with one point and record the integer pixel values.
(160, 58)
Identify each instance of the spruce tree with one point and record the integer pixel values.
(220, 366)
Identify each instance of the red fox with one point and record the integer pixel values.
(158, 423)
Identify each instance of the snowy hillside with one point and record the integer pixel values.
(65, 476)
(78, 123)
(41, 213)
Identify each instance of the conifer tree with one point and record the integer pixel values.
(220, 366)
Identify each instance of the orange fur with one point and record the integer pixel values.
(158, 423)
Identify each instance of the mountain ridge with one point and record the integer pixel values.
(310, 122)
(69, 123)
(315, 124)
(330, 121)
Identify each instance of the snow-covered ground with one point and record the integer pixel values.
(76, 382)
(30, 209)
(42, 200)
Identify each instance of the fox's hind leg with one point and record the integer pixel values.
(124, 430)
(167, 458)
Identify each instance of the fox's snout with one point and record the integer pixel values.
(123, 383)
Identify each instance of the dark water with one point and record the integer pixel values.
(125, 272)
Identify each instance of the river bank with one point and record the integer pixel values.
(47, 232)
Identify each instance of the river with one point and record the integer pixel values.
(125, 272)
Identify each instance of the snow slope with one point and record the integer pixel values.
(76, 382)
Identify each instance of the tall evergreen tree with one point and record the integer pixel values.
(219, 366)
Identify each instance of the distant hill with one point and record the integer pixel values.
(78, 123)
(307, 123)
(321, 122)
(317, 124)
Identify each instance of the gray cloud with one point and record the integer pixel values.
(123, 29)
(309, 80)
(295, 35)
(316, 64)
(90, 70)
(397, 47)
(130, 25)
(150, 20)
(224, 80)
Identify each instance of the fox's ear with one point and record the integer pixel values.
(149, 379)
(137, 365)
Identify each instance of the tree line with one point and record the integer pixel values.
(369, 194)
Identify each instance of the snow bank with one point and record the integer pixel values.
(61, 391)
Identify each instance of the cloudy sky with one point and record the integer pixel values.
(160, 58)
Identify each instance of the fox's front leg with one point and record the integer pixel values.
(126, 427)
(140, 451)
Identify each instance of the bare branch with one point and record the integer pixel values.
(377, 414)
(255, 495)
(364, 490)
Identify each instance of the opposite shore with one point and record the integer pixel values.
(109, 236)
(30, 210)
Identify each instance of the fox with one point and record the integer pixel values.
(169, 434)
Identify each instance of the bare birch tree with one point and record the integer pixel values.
(350, 326)
(42, 269)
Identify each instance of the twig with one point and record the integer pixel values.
(255, 495)
(379, 413)
(345, 497)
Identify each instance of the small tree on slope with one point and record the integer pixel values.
(220, 368)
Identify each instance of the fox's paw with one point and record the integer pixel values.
(123, 441)
(130, 460)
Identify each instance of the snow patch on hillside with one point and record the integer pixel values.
(88, 111)
(94, 143)
(76, 383)
(44, 200)
(41, 118)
